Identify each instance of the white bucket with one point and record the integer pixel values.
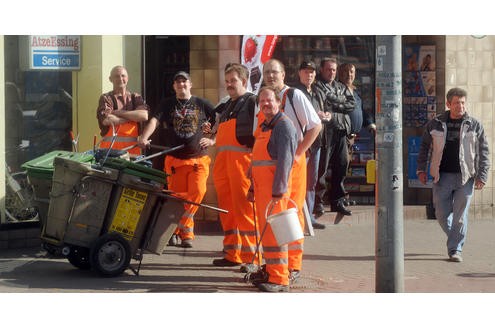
(285, 225)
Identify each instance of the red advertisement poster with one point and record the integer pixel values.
(255, 51)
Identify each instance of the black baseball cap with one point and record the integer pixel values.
(307, 64)
(182, 74)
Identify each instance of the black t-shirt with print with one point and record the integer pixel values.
(181, 122)
(450, 158)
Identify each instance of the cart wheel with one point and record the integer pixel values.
(79, 257)
(110, 255)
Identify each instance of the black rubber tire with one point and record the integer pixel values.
(110, 255)
(79, 257)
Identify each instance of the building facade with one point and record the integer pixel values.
(43, 106)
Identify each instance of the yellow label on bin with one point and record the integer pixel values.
(126, 218)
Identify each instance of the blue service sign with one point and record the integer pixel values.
(55, 52)
(56, 61)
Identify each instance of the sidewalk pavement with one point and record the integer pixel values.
(338, 259)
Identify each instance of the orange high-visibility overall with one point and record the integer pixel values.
(232, 184)
(187, 178)
(263, 171)
(298, 195)
(127, 134)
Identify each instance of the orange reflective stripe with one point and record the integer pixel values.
(232, 184)
(190, 183)
(276, 257)
(124, 131)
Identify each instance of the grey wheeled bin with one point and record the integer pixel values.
(40, 172)
(102, 217)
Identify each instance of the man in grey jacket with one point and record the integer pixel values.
(459, 163)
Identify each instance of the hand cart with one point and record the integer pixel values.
(102, 215)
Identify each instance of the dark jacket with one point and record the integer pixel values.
(338, 100)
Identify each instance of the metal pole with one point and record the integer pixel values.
(389, 234)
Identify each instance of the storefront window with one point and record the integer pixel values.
(359, 51)
(38, 119)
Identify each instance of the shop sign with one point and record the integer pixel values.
(54, 52)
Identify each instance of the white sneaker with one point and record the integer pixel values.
(456, 257)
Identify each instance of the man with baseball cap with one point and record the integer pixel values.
(183, 119)
(307, 76)
(182, 74)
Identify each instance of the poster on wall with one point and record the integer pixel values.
(419, 84)
(413, 145)
(255, 51)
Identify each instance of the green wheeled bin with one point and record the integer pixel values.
(40, 172)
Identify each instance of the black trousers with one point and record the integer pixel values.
(333, 164)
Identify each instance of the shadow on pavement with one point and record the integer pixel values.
(477, 275)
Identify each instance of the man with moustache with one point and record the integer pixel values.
(234, 142)
(274, 153)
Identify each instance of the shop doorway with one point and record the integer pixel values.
(164, 56)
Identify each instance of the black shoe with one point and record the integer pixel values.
(174, 240)
(272, 288)
(317, 225)
(257, 277)
(348, 202)
(224, 263)
(340, 208)
(249, 268)
(186, 243)
(294, 276)
(344, 211)
(318, 211)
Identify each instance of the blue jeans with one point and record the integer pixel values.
(451, 200)
(313, 161)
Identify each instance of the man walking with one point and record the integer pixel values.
(459, 163)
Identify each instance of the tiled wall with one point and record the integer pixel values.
(470, 65)
(411, 195)
(208, 56)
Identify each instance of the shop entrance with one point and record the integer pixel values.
(164, 56)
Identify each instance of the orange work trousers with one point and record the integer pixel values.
(263, 171)
(187, 178)
(232, 185)
(298, 195)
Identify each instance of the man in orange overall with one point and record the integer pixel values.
(234, 141)
(121, 111)
(308, 125)
(183, 118)
(273, 156)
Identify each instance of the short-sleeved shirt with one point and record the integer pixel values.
(181, 122)
(304, 115)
